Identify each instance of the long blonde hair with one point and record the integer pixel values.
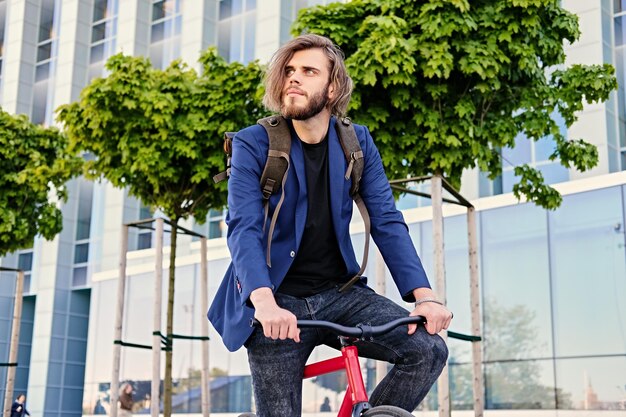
(339, 78)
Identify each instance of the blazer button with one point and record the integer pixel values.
(292, 254)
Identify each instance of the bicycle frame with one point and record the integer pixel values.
(355, 402)
(355, 399)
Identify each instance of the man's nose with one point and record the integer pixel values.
(294, 78)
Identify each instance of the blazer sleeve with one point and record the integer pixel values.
(246, 212)
(388, 227)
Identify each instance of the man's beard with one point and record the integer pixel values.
(316, 104)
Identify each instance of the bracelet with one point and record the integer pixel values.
(427, 300)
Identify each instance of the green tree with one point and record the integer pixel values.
(159, 133)
(36, 163)
(447, 84)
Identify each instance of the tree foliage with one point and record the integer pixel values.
(35, 164)
(159, 132)
(448, 84)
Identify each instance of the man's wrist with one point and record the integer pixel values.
(428, 300)
(261, 296)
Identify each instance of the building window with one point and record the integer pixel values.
(83, 233)
(3, 16)
(236, 30)
(25, 263)
(144, 237)
(165, 32)
(534, 153)
(41, 112)
(103, 35)
(619, 43)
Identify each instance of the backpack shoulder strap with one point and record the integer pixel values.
(277, 162)
(353, 152)
(274, 174)
(228, 150)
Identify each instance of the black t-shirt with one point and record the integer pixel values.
(318, 264)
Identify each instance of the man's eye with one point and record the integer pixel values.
(289, 72)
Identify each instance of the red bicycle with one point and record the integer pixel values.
(355, 402)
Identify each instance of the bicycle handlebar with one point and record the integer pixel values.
(360, 331)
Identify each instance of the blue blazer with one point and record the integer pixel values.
(231, 311)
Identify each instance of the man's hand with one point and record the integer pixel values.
(437, 316)
(277, 322)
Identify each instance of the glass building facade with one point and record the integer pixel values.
(553, 296)
(553, 284)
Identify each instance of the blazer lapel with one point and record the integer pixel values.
(297, 165)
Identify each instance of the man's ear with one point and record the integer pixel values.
(331, 91)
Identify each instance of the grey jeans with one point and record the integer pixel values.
(277, 365)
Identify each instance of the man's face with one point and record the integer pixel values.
(307, 89)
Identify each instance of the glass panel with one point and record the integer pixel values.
(98, 32)
(457, 270)
(223, 39)
(95, 70)
(46, 20)
(216, 229)
(178, 25)
(516, 291)
(42, 72)
(156, 55)
(249, 37)
(554, 173)
(157, 32)
(250, 5)
(225, 9)
(461, 386)
(620, 30)
(236, 7)
(619, 6)
(97, 53)
(587, 251)
(236, 34)
(40, 96)
(520, 154)
(591, 384)
(44, 52)
(79, 278)
(27, 281)
(85, 199)
(100, 10)
(544, 147)
(3, 16)
(81, 253)
(158, 10)
(520, 385)
(144, 241)
(25, 261)
(145, 212)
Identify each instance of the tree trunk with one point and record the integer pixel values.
(204, 290)
(119, 320)
(156, 321)
(477, 357)
(15, 337)
(167, 383)
(443, 387)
